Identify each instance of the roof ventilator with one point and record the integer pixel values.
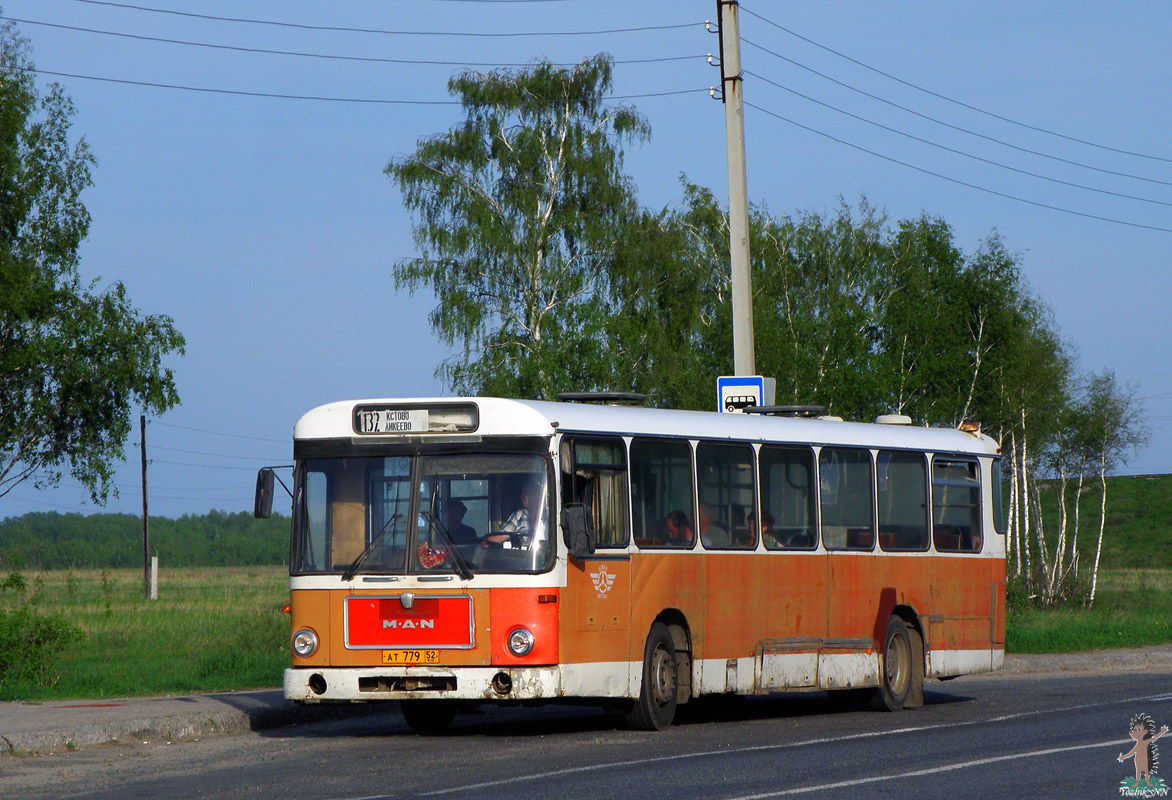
(807, 412)
(614, 398)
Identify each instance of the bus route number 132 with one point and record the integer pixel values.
(391, 420)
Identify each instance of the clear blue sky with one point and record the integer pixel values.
(266, 229)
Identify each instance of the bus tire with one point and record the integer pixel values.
(896, 671)
(428, 717)
(656, 707)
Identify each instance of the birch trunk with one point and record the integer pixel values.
(1102, 525)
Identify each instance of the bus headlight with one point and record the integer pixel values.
(520, 642)
(304, 643)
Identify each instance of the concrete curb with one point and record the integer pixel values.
(53, 727)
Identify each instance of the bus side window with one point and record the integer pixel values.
(594, 473)
(311, 546)
(846, 491)
(661, 493)
(956, 505)
(903, 501)
(724, 475)
(996, 477)
(788, 511)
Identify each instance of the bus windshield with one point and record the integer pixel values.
(465, 514)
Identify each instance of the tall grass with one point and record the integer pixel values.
(1133, 608)
(212, 629)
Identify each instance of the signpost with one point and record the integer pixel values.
(735, 392)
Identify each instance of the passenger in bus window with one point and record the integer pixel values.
(678, 530)
(711, 535)
(767, 534)
(454, 522)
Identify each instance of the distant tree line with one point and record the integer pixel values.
(48, 540)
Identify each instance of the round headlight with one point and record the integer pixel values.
(520, 642)
(305, 643)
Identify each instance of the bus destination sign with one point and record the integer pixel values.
(368, 420)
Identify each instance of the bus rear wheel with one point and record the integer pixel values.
(428, 717)
(896, 672)
(656, 707)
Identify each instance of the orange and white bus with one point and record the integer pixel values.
(448, 551)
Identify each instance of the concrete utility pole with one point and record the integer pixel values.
(744, 361)
(146, 530)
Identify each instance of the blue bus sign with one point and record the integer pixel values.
(736, 392)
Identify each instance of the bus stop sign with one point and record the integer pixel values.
(735, 392)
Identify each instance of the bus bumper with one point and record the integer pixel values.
(362, 684)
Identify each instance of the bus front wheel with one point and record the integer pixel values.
(656, 707)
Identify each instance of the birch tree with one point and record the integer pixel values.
(520, 209)
(1115, 428)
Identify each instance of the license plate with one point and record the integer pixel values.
(411, 656)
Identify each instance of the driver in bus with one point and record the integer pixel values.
(519, 526)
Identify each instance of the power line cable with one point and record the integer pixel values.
(946, 98)
(326, 56)
(206, 453)
(206, 466)
(57, 506)
(219, 433)
(959, 128)
(243, 93)
(319, 98)
(959, 152)
(389, 32)
(957, 180)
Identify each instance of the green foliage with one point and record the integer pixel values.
(521, 207)
(31, 642)
(74, 359)
(48, 540)
(848, 313)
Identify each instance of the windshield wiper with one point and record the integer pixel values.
(458, 560)
(356, 563)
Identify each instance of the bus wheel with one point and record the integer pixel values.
(896, 669)
(428, 716)
(656, 707)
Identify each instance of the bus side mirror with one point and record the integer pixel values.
(579, 538)
(262, 506)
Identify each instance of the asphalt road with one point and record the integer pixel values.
(1009, 736)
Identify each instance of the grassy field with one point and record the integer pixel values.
(1133, 607)
(212, 629)
(217, 629)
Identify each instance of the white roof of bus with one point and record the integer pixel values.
(503, 417)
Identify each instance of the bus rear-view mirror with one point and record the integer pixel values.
(579, 538)
(262, 507)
